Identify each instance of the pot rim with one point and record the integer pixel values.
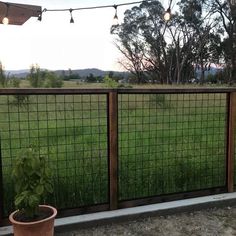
(13, 221)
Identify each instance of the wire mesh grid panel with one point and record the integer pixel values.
(72, 131)
(171, 143)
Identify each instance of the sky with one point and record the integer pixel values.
(54, 43)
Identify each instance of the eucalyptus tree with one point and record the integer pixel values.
(170, 52)
(196, 38)
(141, 41)
(225, 10)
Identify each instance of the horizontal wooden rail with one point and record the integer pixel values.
(64, 91)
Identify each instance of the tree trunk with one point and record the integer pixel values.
(233, 72)
(232, 4)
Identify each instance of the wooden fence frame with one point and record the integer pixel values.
(112, 112)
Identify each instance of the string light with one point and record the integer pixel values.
(115, 18)
(40, 17)
(71, 17)
(167, 14)
(41, 14)
(5, 20)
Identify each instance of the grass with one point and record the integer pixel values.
(172, 147)
(167, 144)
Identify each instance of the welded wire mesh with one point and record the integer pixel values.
(72, 131)
(171, 143)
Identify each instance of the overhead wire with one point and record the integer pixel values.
(78, 8)
(70, 10)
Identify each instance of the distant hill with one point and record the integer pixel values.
(18, 73)
(82, 72)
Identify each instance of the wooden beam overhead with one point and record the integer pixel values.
(18, 14)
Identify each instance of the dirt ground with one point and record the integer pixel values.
(210, 222)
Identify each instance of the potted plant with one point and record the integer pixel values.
(32, 179)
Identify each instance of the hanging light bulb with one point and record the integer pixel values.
(71, 17)
(115, 18)
(167, 14)
(41, 14)
(5, 20)
(40, 17)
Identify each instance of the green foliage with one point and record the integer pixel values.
(91, 78)
(3, 77)
(52, 80)
(110, 83)
(31, 176)
(14, 82)
(35, 77)
(48, 79)
(71, 75)
(154, 51)
(19, 99)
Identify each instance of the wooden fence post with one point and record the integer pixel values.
(113, 148)
(1, 186)
(231, 141)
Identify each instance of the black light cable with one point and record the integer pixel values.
(167, 14)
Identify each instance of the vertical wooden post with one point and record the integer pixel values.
(113, 148)
(1, 186)
(231, 141)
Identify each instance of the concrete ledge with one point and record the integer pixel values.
(83, 221)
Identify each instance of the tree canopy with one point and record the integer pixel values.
(200, 33)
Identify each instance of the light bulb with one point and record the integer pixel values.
(71, 17)
(40, 17)
(5, 21)
(167, 15)
(72, 20)
(115, 18)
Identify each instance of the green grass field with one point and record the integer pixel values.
(167, 144)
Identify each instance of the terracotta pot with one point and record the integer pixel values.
(43, 227)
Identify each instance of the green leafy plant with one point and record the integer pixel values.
(109, 82)
(32, 179)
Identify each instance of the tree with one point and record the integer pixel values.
(226, 11)
(140, 40)
(71, 75)
(35, 76)
(165, 52)
(195, 40)
(91, 78)
(4, 79)
(199, 34)
(52, 80)
(232, 4)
